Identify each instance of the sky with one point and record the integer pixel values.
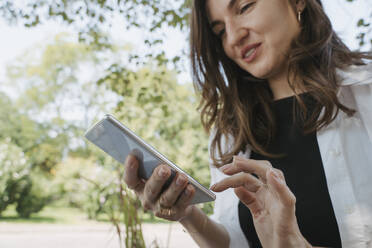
(16, 40)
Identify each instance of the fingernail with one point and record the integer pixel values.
(225, 167)
(213, 187)
(180, 181)
(162, 172)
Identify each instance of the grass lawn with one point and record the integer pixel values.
(63, 215)
(58, 215)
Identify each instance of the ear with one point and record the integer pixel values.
(300, 5)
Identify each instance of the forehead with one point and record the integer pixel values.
(215, 8)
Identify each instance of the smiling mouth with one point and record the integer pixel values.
(250, 52)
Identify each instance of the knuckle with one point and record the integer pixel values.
(161, 173)
(292, 200)
(280, 172)
(267, 163)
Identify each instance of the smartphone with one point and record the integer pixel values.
(119, 141)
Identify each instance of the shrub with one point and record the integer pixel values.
(18, 184)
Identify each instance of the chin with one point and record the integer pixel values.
(261, 73)
(263, 70)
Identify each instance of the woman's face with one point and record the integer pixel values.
(256, 34)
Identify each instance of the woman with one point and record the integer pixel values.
(289, 106)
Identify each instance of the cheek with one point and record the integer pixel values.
(276, 25)
(229, 52)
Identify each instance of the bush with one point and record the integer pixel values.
(14, 172)
(18, 184)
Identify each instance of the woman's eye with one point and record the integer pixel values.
(220, 33)
(245, 7)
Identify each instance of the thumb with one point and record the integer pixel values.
(277, 184)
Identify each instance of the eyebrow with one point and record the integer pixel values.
(229, 7)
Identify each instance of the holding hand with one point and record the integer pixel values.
(173, 203)
(269, 199)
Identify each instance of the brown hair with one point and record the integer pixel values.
(237, 105)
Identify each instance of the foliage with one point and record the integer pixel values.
(42, 150)
(34, 196)
(99, 189)
(27, 152)
(91, 18)
(17, 185)
(14, 170)
(163, 112)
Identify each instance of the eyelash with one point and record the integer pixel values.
(245, 7)
(241, 11)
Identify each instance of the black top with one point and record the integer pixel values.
(304, 174)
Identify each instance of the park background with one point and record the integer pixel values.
(63, 64)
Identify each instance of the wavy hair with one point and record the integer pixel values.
(236, 104)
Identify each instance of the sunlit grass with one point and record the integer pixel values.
(58, 215)
(63, 215)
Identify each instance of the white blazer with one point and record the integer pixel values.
(346, 151)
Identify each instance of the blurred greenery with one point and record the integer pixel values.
(50, 214)
(44, 155)
(47, 169)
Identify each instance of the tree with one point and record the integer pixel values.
(19, 183)
(91, 18)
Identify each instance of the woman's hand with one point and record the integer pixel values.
(172, 204)
(270, 201)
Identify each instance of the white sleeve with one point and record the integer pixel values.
(359, 79)
(225, 209)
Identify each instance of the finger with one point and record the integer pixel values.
(186, 197)
(131, 174)
(278, 185)
(249, 199)
(170, 196)
(155, 183)
(242, 179)
(239, 164)
(280, 174)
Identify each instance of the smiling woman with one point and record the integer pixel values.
(285, 101)
(266, 41)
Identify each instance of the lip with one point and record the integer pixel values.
(247, 48)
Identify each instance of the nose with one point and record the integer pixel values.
(235, 32)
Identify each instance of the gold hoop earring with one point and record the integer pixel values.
(299, 16)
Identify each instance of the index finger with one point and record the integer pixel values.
(240, 164)
(239, 180)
